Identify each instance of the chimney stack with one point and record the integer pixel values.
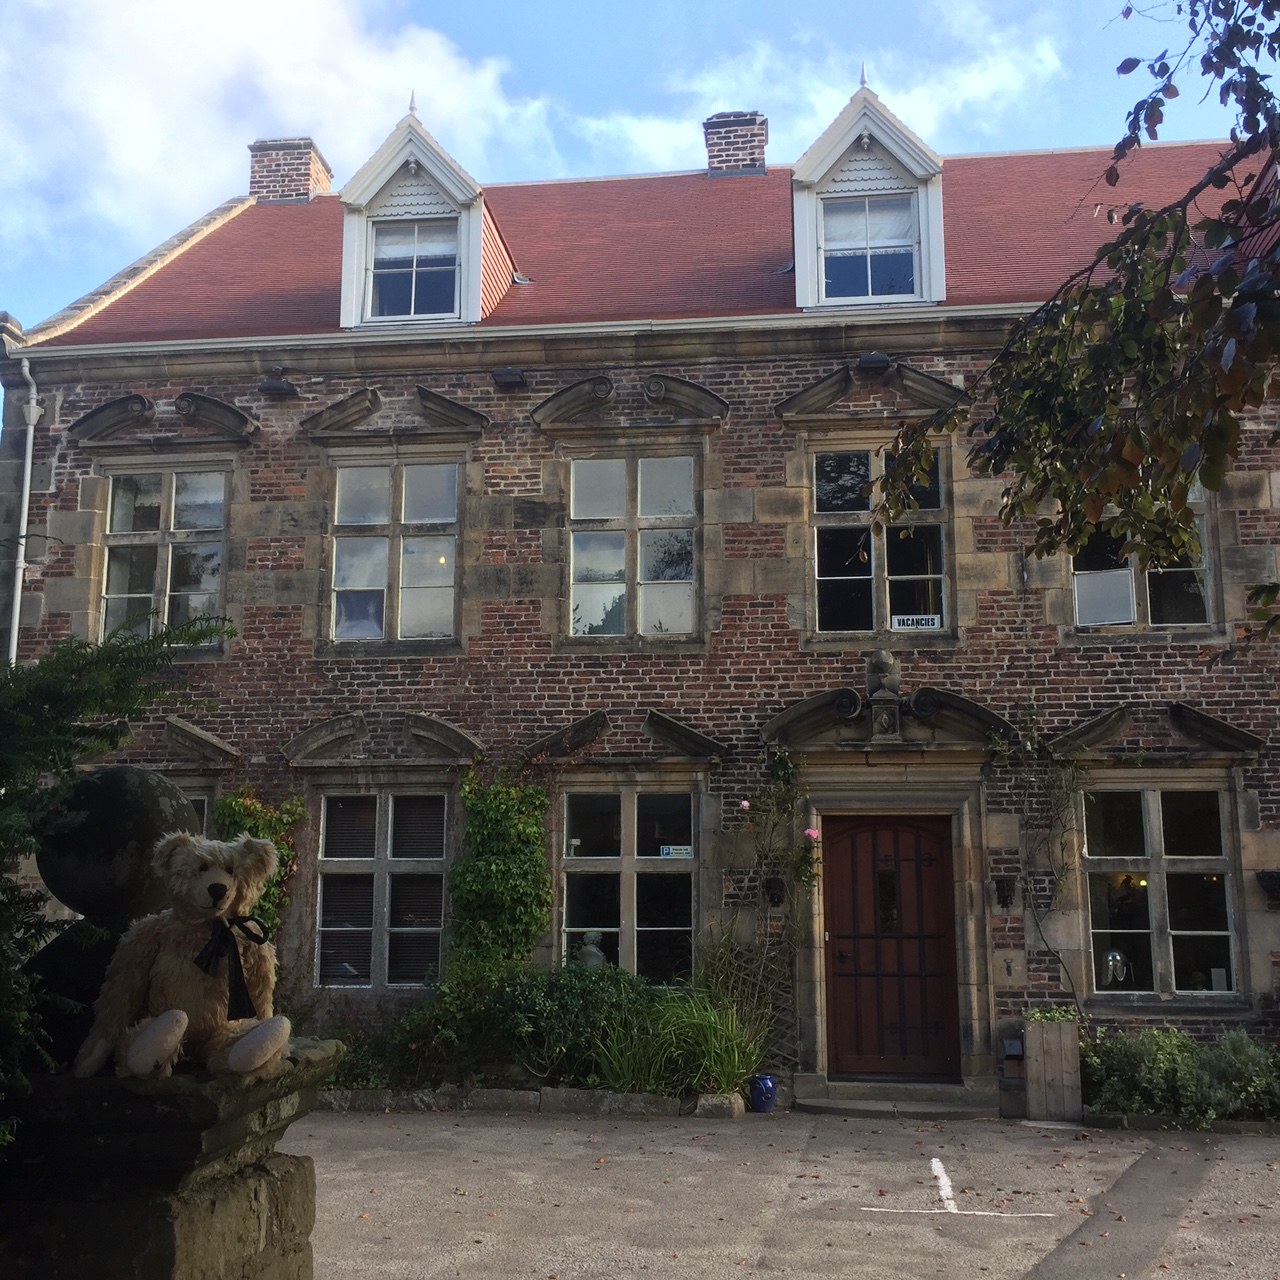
(735, 142)
(287, 169)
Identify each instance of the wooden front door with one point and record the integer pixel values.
(892, 1001)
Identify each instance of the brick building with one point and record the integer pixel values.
(573, 472)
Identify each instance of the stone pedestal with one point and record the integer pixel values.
(162, 1180)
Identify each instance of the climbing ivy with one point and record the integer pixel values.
(241, 812)
(500, 889)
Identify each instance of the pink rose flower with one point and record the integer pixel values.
(811, 832)
(746, 804)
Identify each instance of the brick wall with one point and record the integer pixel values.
(287, 169)
(736, 141)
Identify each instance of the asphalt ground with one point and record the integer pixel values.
(480, 1195)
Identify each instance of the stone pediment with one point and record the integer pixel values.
(328, 742)
(439, 741)
(571, 402)
(573, 737)
(878, 389)
(1158, 733)
(886, 720)
(678, 405)
(336, 421)
(199, 743)
(132, 422)
(671, 732)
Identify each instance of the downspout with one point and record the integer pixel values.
(31, 411)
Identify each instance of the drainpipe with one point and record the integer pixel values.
(31, 411)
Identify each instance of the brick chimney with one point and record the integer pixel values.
(287, 169)
(735, 142)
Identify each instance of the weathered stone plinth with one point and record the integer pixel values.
(162, 1180)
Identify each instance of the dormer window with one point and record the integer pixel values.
(867, 213)
(871, 247)
(415, 269)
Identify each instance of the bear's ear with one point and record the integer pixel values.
(256, 859)
(171, 846)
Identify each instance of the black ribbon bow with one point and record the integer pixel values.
(222, 942)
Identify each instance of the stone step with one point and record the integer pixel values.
(908, 1099)
(872, 1109)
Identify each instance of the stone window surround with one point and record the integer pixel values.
(1151, 783)
(132, 462)
(382, 867)
(847, 439)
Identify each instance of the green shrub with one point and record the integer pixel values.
(242, 812)
(1051, 1013)
(1166, 1072)
(550, 1020)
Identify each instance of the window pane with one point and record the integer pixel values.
(359, 563)
(844, 553)
(599, 611)
(417, 902)
(1197, 904)
(599, 557)
(135, 504)
(1202, 963)
(393, 246)
(889, 221)
(666, 555)
(346, 902)
(1100, 553)
(133, 613)
(915, 604)
(358, 615)
(195, 566)
(1118, 900)
(666, 486)
(437, 239)
(1176, 597)
(350, 826)
(364, 495)
(417, 827)
(345, 957)
(593, 826)
(666, 609)
(1192, 824)
(604, 940)
(839, 480)
(131, 571)
(927, 494)
(846, 275)
(591, 901)
(431, 493)
(599, 489)
(912, 551)
(1122, 962)
(664, 901)
(392, 293)
(893, 272)
(1104, 599)
(435, 292)
(664, 955)
(197, 499)
(193, 604)
(413, 958)
(427, 562)
(663, 821)
(844, 224)
(845, 606)
(1113, 824)
(426, 613)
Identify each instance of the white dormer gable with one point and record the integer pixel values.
(413, 236)
(868, 213)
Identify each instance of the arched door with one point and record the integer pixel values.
(892, 1000)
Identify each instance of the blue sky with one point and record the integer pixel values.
(128, 119)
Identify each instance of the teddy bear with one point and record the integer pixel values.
(195, 980)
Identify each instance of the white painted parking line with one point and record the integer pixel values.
(947, 1196)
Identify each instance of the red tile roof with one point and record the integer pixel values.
(666, 247)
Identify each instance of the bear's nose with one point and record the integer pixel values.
(217, 892)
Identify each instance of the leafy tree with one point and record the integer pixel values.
(243, 812)
(1130, 385)
(74, 702)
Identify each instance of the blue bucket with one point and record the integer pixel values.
(762, 1093)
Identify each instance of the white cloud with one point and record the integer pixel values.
(133, 116)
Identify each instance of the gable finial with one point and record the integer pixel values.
(862, 81)
(413, 106)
